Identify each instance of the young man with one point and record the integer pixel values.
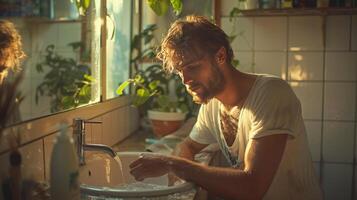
(11, 52)
(255, 119)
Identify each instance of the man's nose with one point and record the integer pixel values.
(185, 77)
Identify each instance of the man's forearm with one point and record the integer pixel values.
(228, 183)
(183, 151)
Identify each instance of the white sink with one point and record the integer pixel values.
(101, 176)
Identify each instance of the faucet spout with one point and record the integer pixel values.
(79, 133)
(99, 147)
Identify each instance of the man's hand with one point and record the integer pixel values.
(150, 165)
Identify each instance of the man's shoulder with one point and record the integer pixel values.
(272, 84)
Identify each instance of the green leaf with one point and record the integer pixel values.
(234, 13)
(39, 68)
(89, 78)
(153, 85)
(160, 7)
(122, 86)
(177, 6)
(86, 4)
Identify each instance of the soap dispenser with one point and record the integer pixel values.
(64, 174)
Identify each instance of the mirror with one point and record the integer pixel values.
(61, 70)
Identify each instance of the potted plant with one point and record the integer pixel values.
(67, 82)
(159, 96)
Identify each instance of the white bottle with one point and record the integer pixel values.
(64, 183)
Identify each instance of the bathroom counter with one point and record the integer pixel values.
(135, 142)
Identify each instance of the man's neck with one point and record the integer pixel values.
(237, 87)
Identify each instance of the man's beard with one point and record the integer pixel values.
(202, 93)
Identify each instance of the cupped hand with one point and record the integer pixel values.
(150, 165)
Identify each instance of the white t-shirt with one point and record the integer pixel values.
(270, 108)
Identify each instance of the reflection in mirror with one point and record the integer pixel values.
(61, 70)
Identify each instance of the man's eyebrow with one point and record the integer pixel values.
(193, 63)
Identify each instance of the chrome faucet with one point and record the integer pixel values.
(80, 144)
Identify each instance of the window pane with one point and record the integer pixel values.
(118, 44)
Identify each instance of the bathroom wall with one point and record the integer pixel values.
(118, 118)
(317, 55)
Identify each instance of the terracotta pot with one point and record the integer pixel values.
(164, 123)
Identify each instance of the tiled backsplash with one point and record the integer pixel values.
(317, 55)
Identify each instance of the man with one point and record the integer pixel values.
(11, 52)
(255, 119)
(11, 55)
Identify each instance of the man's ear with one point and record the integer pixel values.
(221, 56)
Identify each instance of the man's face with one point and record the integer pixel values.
(203, 79)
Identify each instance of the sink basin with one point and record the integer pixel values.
(101, 176)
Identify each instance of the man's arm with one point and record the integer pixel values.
(262, 160)
(188, 148)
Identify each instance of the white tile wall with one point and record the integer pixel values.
(246, 61)
(338, 32)
(270, 33)
(305, 33)
(354, 33)
(227, 6)
(317, 167)
(340, 101)
(337, 181)
(44, 34)
(338, 139)
(304, 66)
(242, 28)
(313, 131)
(68, 33)
(310, 96)
(271, 63)
(341, 66)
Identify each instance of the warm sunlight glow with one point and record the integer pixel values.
(295, 48)
(107, 170)
(297, 73)
(298, 57)
(294, 84)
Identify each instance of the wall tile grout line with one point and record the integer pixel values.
(323, 100)
(355, 126)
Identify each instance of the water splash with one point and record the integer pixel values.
(117, 159)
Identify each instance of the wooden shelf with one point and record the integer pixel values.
(299, 11)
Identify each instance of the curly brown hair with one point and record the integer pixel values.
(11, 52)
(192, 38)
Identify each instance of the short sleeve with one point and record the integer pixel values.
(276, 110)
(201, 132)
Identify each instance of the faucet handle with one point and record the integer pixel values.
(79, 123)
(92, 122)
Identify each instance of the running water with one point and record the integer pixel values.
(117, 159)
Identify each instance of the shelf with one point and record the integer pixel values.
(299, 11)
(47, 20)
